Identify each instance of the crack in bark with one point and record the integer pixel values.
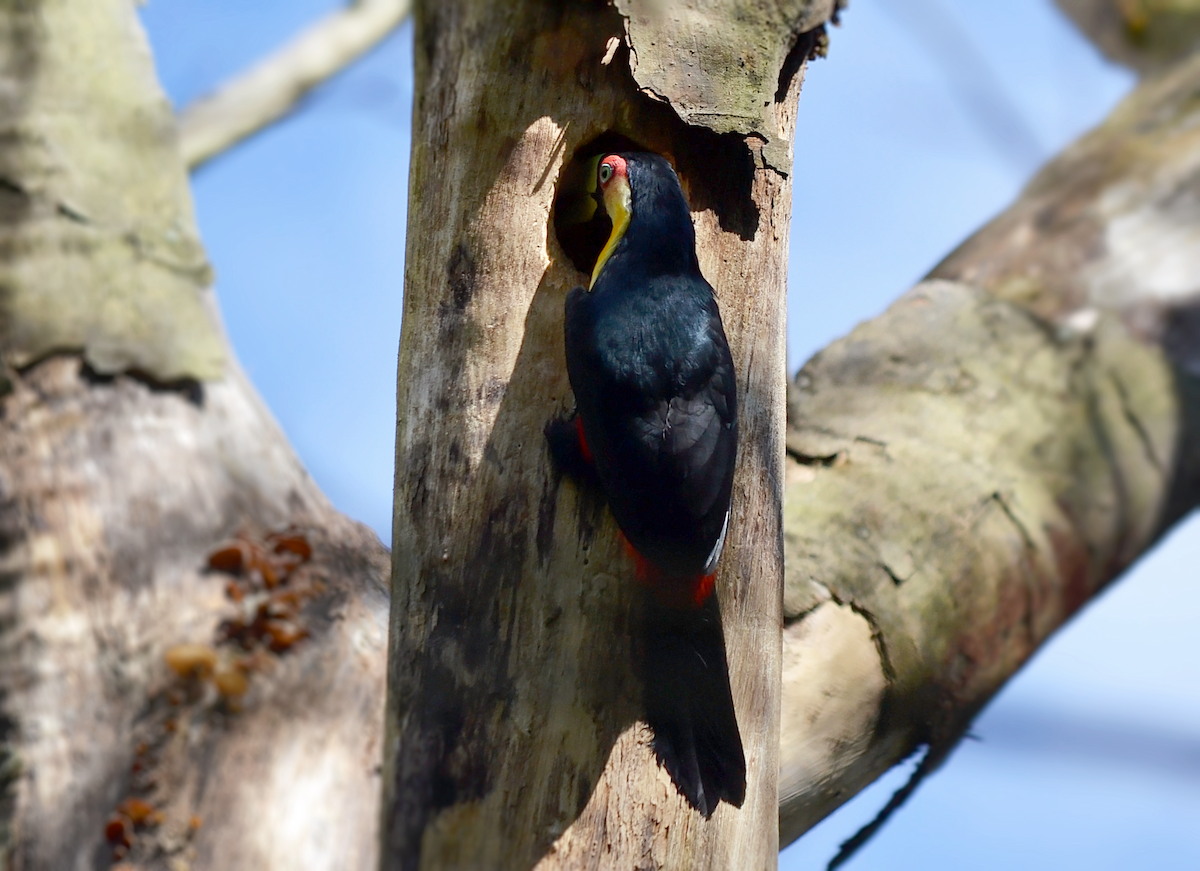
(824, 597)
(1111, 455)
(879, 443)
(58, 207)
(62, 209)
(885, 662)
(200, 273)
(13, 187)
(999, 499)
(1136, 424)
(822, 460)
(72, 214)
(189, 388)
(836, 458)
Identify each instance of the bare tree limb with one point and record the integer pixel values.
(115, 488)
(976, 463)
(270, 90)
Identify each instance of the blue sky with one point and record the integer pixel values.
(925, 121)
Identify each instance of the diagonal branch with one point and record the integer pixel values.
(1010, 436)
(269, 90)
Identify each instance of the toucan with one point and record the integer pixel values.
(655, 427)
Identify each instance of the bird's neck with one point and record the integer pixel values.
(659, 240)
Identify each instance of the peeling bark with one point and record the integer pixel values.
(726, 70)
(513, 733)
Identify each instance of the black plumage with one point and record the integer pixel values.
(656, 399)
(654, 381)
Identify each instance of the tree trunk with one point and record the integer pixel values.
(968, 469)
(963, 472)
(131, 447)
(513, 734)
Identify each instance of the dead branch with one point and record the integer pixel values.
(270, 89)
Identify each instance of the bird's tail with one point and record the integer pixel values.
(688, 701)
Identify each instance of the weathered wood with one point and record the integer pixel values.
(98, 246)
(971, 467)
(115, 487)
(114, 493)
(513, 738)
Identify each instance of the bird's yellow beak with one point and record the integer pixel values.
(617, 203)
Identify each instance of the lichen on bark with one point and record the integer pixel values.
(123, 279)
(725, 66)
(986, 475)
(976, 463)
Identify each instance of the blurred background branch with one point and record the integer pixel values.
(1145, 35)
(272, 88)
(1103, 235)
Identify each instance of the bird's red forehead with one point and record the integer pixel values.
(619, 167)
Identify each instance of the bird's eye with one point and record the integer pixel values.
(606, 172)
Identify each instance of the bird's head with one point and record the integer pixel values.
(612, 180)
